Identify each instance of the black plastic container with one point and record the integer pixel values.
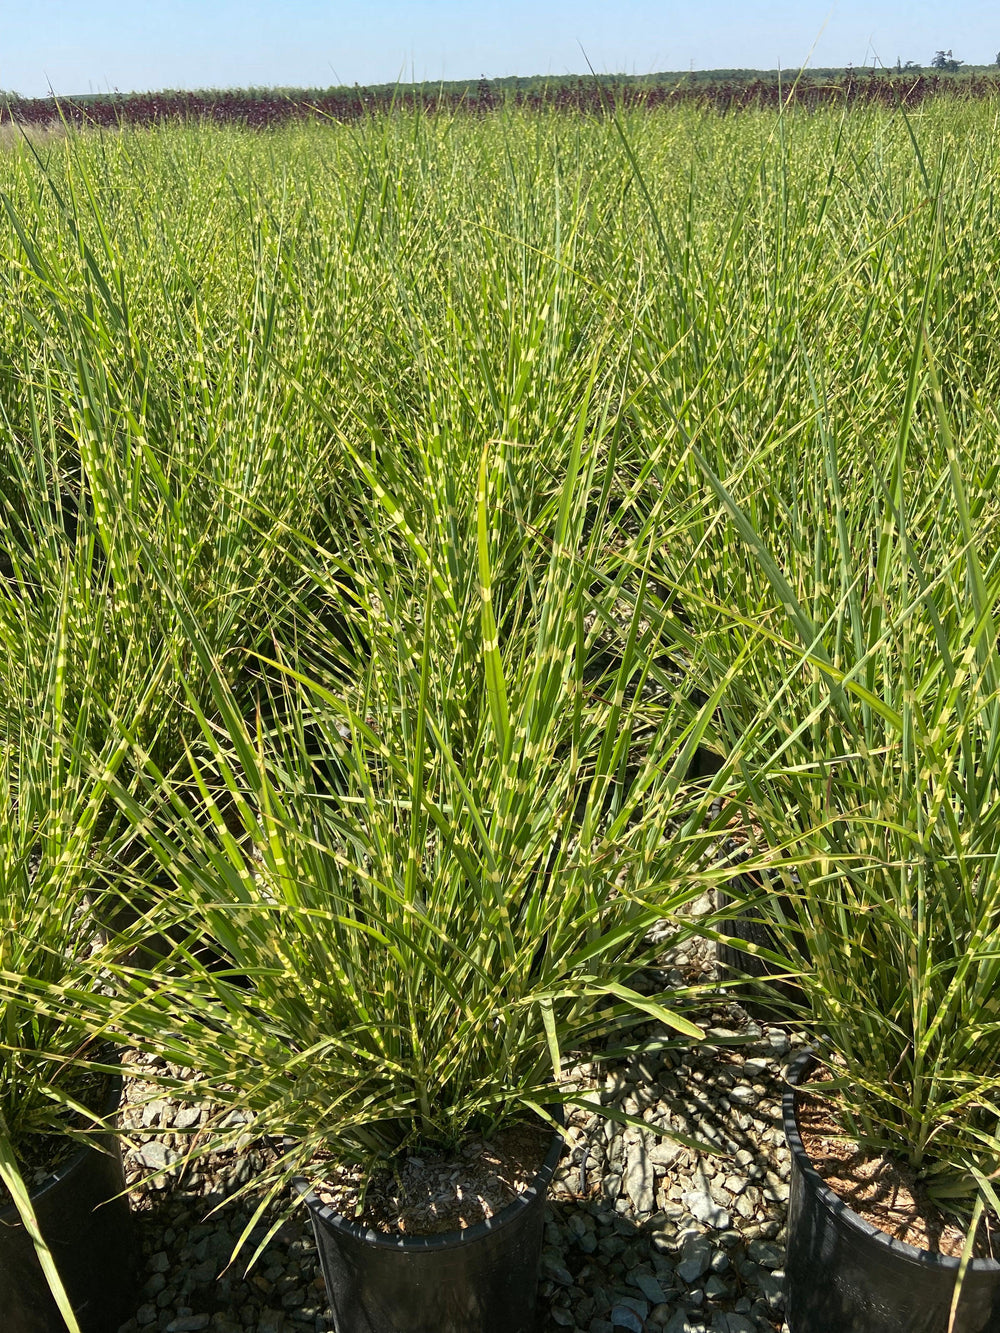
(842, 1275)
(481, 1280)
(760, 993)
(89, 1232)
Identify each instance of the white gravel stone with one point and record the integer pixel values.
(664, 1154)
(696, 1257)
(639, 1179)
(155, 1155)
(704, 1206)
(743, 1095)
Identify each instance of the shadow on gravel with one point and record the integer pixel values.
(645, 1237)
(187, 1284)
(603, 1272)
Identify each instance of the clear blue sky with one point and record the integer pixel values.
(82, 45)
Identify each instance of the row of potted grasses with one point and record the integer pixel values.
(368, 587)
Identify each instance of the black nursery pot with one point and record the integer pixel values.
(481, 1280)
(89, 1232)
(842, 1275)
(760, 994)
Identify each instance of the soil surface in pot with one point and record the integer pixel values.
(884, 1191)
(428, 1194)
(41, 1155)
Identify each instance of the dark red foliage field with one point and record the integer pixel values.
(261, 109)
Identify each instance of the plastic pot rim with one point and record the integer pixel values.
(832, 1201)
(9, 1216)
(445, 1239)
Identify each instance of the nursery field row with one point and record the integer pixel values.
(434, 551)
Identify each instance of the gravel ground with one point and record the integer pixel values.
(641, 1236)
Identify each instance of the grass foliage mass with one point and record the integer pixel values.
(389, 510)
